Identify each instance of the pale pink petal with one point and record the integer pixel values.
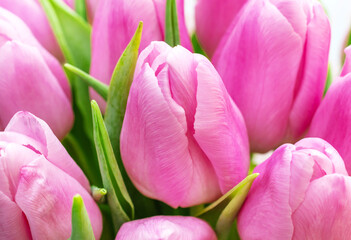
(309, 92)
(13, 223)
(35, 128)
(219, 128)
(325, 212)
(266, 213)
(213, 19)
(166, 227)
(29, 83)
(258, 66)
(45, 195)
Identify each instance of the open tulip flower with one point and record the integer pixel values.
(38, 181)
(183, 139)
(274, 61)
(31, 78)
(303, 192)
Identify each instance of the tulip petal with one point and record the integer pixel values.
(13, 223)
(330, 122)
(35, 128)
(33, 15)
(220, 129)
(325, 212)
(250, 60)
(14, 28)
(266, 214)
(28, 82)
(309, 93)
(347, 64)
(45, 195)
(166, 227)
(212, 20)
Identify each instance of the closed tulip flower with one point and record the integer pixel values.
(31, 78)
(212, 20)
(166, 228)
(332, 120)
(273, 61)
(183, 140)
(38, 181)
(302, 192)
(114, 25)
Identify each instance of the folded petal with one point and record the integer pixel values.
(45, 195)
(325, 212)
(309, 93)
(219, 128)
(13, 223)
(35, 128)
(26, 83)
(347, 64)
(266, 213)
(258, 66)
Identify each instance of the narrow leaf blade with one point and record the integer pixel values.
(121, 205)
(172, 36)
(221, 214)
(99, 87)
(81, 226)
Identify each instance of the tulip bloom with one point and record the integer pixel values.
(166, 227)
(114, 26)
(38, 181)
(302, 192)
(212, 20)
(333, 117)
(273, 61)
(31, 79)
(183, 140)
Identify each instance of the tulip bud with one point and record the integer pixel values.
(183, 140)
(302, 191)
(212, 20)
(38, 181)
(333, 117)
(273, 61)
(114, 25)
(31, 79)
(166, 227)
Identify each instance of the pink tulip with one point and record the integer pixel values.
(212, 20)
(302, 192)
(114, 25)
(166, 228)
(273, 61)
(332, 120)
(183, 139)
(31, 79)
(38, 181)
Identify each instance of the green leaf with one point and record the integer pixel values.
(121, 205)
(172, 36)
(196, 45)
(99, 87)
(329, 80)
(221, 214)
(121, 81)
(81, 226)
(81, 8)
